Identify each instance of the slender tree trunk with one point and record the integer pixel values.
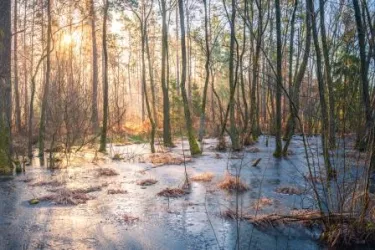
(143, 23)
(370, 129)
(15, 71)
(255, 131)
(361, 33)
(42, 125)
(279, 79)
(144, 86)
(207, 77)
(95, 78)
(32, 94)
(177, 56)
(327, 64)
(103, 137)
(242, 80)
(233, 133)
(26, 97)
(188, 51)
(213, 109)
(5, 87)
(194, 147)
(295, 90)
(167, 138)
(290, 77)
(323, 105)
(152, 83)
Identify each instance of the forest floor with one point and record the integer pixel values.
(112, 202)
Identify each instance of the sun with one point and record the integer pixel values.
(70, 39)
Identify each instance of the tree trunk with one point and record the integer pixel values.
(17, 110)
(194, 147)
(361, 33)
(25, 71)
(95, 78)
(5, 87)
(177, 57)
(189, 52)
(143, 23)
(323, 105)
(233, 133)
(42, 125)
(370, 130)
(151, 75)
(103, 137)
(327, 64)
(255, 131)
(167, 138)
(207, 77)
(242, 81)
(32, 94)
(295, 90)
(279, 80)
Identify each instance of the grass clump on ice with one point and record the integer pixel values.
(232, 184)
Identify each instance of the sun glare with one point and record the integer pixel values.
(70, 39)
(116, 26)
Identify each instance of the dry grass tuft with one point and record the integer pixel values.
(88, 189)
(349, 234)
(289, 190)
(117, 157)
(52, 183)
(261, 203)
(232, 184)
(116, 191)
(172, 192)
(129, 219)
(66, 197)
(147, 182)
(160, 159)
(204, 177)
(106, 172)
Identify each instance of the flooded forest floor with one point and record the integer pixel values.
(120, 200)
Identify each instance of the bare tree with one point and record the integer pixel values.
(194, 147)
(167, 138)
(296, 86)
(95, 80)
(103, 137)
(207, 68)
(42, 125)
(323, 105)
(328, 77)
(5, 86)
(17, 108)
(279, 80)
